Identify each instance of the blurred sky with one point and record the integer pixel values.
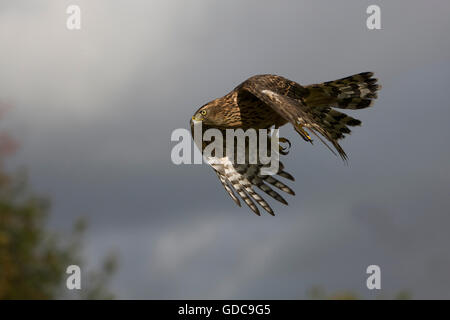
(94, 110)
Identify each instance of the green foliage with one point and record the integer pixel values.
(33, 260)
(318, 293)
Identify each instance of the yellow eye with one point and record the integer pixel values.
(203, 112)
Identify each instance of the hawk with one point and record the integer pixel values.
(266, 101)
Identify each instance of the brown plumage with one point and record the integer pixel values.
(264, 101)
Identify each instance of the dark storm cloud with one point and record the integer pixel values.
(94, 111)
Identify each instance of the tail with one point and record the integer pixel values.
(355, 92)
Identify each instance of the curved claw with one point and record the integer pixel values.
(284, 150)
(303, 133)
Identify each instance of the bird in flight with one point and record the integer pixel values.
(266, 101)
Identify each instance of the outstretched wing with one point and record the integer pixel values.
(240, 180)
(311, 106)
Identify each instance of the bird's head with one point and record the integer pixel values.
(209, 114)
(201, 114)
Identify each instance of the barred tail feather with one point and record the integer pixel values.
(355, 92)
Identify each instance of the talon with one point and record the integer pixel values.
(284, 150)
(303, 133)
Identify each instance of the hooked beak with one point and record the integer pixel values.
(195, 120)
